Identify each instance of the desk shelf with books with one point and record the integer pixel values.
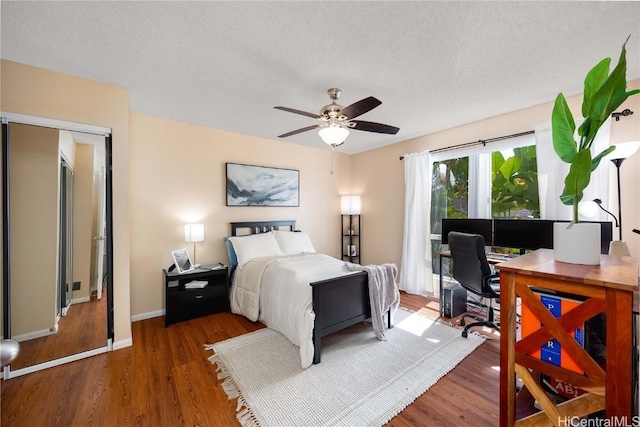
(606, 288)
(195, 293)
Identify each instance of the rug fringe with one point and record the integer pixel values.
(246, 418)
(244, 414)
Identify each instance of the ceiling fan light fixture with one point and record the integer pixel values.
(333, 135)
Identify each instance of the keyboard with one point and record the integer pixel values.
(503, 257)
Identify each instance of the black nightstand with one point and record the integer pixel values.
(185, 303)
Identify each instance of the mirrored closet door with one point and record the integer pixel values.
(56, 291)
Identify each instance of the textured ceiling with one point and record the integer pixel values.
(434, 65)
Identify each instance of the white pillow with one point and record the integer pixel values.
(254, 246)
(293, 243)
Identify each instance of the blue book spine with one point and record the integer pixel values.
(551, 351)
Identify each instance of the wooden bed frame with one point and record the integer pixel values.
(337, 303)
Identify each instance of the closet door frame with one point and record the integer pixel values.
(8, 118)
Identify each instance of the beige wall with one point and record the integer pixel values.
(43, 93)
(83, 218)
(173, 173)
(383, 193)
(178, 177)
(34, 216)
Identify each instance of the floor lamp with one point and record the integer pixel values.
(617, 156)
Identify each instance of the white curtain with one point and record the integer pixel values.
(415, 273)
(552, 171)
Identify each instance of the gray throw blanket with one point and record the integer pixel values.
(383, 293)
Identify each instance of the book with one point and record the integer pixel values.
(552, 352)
(216, 266)
(196, 284)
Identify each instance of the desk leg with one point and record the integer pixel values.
(618, 398)
(440, 295)
(507, 349)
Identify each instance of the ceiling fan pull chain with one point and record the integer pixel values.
(333, 150)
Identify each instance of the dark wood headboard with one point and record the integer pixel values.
(256, 227)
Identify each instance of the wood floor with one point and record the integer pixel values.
(165, 379)
(83, 328)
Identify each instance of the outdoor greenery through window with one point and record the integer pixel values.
(498, 184)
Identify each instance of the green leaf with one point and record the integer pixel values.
(568, 199)
(596, 160)
(579, 174)
(584, 128)
(608, 97)
(509, 167)
(592, 82)
(562, 129)
(497, 159)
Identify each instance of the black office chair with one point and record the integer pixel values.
(472, 271)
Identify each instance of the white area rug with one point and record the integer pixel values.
(360, 381)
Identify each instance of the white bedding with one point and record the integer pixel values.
(276, 291)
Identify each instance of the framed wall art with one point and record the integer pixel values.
(249, 185)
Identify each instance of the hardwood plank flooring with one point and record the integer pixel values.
(83, 328)
(165, 379)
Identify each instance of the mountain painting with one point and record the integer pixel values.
(262, 186)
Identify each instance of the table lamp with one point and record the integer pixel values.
(194, 233)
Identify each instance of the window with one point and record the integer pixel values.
(496, 181)
(514, 183)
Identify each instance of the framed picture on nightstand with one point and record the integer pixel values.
(182, 260)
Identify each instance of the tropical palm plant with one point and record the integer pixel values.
(603, 93)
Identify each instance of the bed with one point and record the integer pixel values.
(336, 302)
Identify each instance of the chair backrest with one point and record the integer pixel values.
(470, 266)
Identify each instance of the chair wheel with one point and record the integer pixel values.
(462, 322)
(464, 334)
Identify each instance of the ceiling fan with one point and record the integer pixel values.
(336, 120)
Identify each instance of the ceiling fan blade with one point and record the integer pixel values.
(374, 127)
(357, 108)
(297, 131)
(292, 110)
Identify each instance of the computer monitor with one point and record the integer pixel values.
(523, 233)
(482, 227)
(538, 233)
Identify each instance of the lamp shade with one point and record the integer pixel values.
(333, 135)
(194, 233)
(350, 205)
(623, 150)
(588, 208)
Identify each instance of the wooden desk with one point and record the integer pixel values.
(609, 288)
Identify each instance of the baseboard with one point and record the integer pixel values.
(35, 334)
(80, 300)
(12, 374)
(148, 315)
(122, 344)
